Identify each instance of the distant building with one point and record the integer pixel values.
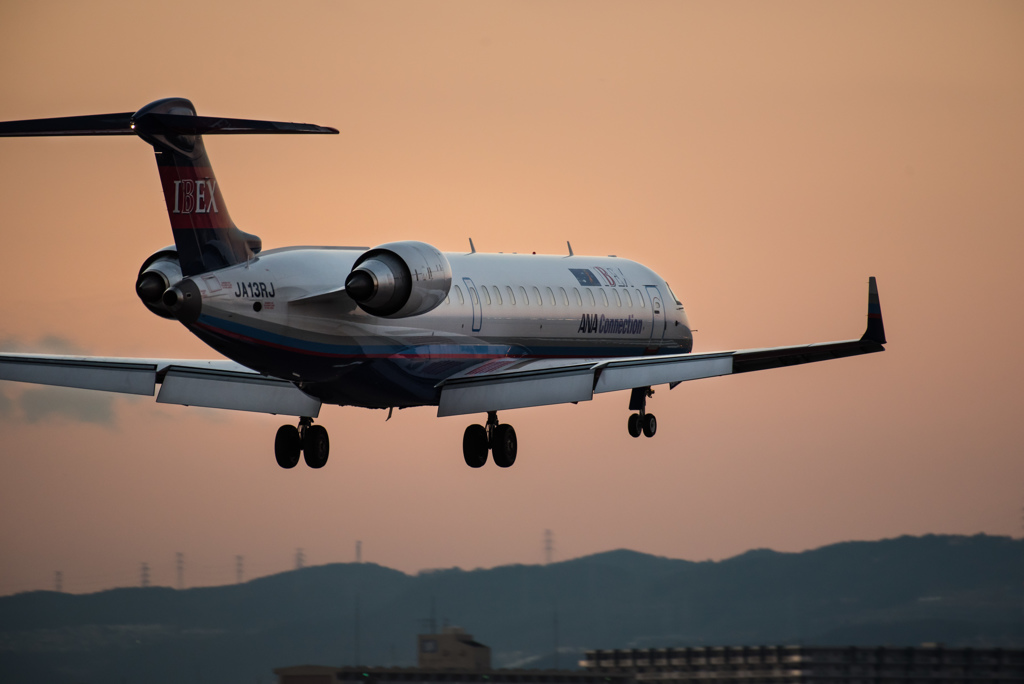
(929, 664)
(451, 656)
(452, 649)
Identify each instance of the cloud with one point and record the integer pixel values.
(54, 344)
(48, 344)
(87, 406)
(6, 406)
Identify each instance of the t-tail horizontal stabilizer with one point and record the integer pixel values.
(205, 237)
(130, 123)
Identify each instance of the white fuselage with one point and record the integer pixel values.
(277, 314)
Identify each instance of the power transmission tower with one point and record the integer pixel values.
(359, 552)
(58, 581)
(239, 569)
(145, 575)
(549, 546)
(300, 559)
(179, 567)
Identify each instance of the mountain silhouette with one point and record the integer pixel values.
(962, 591)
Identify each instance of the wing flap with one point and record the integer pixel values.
(236, 391)
(646, 371)
(94, 374)
(208, 383)
(502, 391)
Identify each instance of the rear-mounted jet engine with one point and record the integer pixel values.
(164, 292)
(158, 273)
(400, 279)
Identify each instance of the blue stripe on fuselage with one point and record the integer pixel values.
(261, 337)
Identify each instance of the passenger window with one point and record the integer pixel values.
(447, 299)
(615, 296)
(458, 295)
(579, 300)
(604, 298)
(536, 297)
(590, 297)
(473, 296)
(487, 297)
(511, 297)
(497, 295)
(640, 298)
(523, 297)
(551, 297)
(565, 297)
(629, 300)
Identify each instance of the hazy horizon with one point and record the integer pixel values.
(164, 575)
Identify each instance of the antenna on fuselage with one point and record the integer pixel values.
(472, 249)
(570, 248)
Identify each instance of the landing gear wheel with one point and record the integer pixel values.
(635, 425)
(505, 446)
(650, 425)
(287, 446)
(474, 446)
(316, 446)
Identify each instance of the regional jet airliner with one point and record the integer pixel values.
(402, 324)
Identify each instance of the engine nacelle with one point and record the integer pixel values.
(400, 279)
(162, 290)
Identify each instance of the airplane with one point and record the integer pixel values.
(399, 325)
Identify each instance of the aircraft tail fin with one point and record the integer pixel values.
(204, 234)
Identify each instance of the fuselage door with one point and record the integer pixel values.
(658, 319)
(475, 303)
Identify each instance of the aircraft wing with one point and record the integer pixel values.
(515, 383)
(190, 382)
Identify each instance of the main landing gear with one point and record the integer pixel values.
(500, 440)
(308, 439)
(641, 421)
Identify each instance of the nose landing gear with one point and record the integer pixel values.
(641, 421)
(500, 440)
(309, 440)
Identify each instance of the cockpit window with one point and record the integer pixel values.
(678, 303)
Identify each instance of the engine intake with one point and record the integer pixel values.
(399, 279)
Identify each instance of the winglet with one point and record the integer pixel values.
(876, 330)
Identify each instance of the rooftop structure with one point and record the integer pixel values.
(928, 664)
(452, 649)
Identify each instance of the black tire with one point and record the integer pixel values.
(650, 425)
(505, 446)
(474, 446)
(635, 425)
(316, 446)
(287, 447)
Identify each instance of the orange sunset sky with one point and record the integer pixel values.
(765, 158)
